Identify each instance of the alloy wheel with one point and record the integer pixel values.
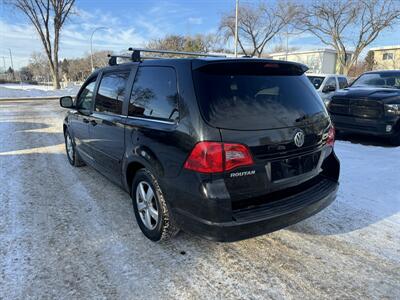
(70, 148)
(147, 205)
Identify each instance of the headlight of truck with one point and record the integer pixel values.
(326, 102)
(392, 109)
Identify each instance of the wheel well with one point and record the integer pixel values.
(131, 172)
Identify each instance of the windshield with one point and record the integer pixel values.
(383, 80)
(236, 100)
(316, 81)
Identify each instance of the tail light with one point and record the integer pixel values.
(331, 136)
(214, 157)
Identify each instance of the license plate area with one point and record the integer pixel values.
(292, 167)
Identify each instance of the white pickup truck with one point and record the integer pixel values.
(327, 84)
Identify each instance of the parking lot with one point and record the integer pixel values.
(70, 233)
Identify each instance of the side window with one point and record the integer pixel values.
(342, 82)
(154, 94)
(110, 95)
(85, 98)
(331, 81)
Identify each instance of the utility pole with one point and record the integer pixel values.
(12, 65)
(236, 26)
(287, 42)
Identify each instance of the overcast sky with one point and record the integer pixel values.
(130, 23)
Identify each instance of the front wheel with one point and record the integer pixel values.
(151, 210)
(72, 155)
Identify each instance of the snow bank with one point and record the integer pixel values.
(371, 173)
(15, 90)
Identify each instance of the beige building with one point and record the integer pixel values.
(320, 61)
(386, 58)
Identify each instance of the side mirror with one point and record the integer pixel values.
(66, 102)
(329, 88)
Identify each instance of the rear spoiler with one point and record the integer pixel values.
(249, 66)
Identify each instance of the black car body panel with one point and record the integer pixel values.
(284, 185)
(362, 109)
(264, 218)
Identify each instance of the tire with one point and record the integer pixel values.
(72, 155)
(151, 210)
(395, 138)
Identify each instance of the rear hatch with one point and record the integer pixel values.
(263, 105)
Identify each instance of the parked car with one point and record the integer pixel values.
(371, 105)
(327, 84)
(224, 148)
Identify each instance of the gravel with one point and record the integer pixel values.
(70, 233)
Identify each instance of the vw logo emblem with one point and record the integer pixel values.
(299, 138)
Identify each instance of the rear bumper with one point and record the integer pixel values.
(365, 126)
(263, 219)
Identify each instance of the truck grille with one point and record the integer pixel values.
(361, 108)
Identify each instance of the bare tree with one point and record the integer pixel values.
(48, 17)
(282, 48)
(39, 66)
(258, 24)
(77, 69)
(349, 24)
(196, 43)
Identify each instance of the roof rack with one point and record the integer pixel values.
(136, 52)
(136, 55)
(113, 59)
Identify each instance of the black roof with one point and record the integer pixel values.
(383, 72)
(199, 62)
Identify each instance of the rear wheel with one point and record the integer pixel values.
(72, 155)
(151, 210)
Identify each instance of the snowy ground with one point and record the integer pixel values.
(69, 233)
(15, 90)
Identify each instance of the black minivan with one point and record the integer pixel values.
(224, 148)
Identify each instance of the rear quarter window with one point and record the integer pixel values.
(155, 94)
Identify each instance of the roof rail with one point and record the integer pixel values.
(113, 59)
(137, 51)
(136, 55)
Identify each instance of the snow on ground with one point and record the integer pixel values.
(22, 90)
(70, 233)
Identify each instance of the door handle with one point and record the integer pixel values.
(93, 122)
(85, 120)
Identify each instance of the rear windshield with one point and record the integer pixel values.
(236, 98)
(382, 80)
